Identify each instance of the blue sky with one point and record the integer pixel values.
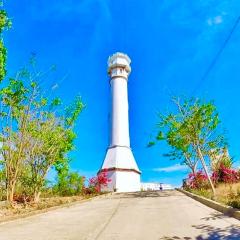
(171, 44)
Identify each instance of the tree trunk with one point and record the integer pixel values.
(10, 192)
(206, 170)
(36, 196)
(193, 168)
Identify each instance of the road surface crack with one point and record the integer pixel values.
(109, 220)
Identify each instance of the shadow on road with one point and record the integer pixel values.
(212, 233)
(148, 194)
(214, 216)
(175, 238)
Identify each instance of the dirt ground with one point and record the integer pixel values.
(19, 209)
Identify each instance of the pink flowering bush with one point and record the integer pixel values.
(225, 175)
(97, 183)
(197, 180)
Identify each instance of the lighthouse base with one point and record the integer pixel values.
(122, 181)
(122, 170)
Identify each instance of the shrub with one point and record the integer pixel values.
(225, 174)
(197, 180)
(69, 184)
(2, 184)
(22, 198)
(202, 192)
(235, 203)
(234, 199)
(96, 184)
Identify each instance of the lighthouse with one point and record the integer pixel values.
(119, 162)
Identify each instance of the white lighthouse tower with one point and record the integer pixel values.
(119, 162)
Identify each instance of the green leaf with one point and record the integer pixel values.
(151, 144)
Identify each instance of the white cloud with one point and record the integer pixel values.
(215, 20)
(173, 168)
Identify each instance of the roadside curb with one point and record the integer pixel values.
(45, 210)
(226, 210)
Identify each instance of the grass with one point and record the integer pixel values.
(45, 203)
(228, 194)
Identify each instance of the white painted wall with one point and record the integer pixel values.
(123, 181)
(120, 157)
(155, 186)
(127, 182)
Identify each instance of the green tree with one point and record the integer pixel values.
(37, 133)
(187, 157)
(220, 157)
(14, 117)
(50, 139)
(34, 133)
(5, 23)
(69, 183)
(191, 131)
(2, 184)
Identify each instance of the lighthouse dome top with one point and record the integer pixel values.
(117, 60)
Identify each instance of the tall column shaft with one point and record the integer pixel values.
(119, 163)
(120, 122)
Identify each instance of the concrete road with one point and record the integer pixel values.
(166, 215)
